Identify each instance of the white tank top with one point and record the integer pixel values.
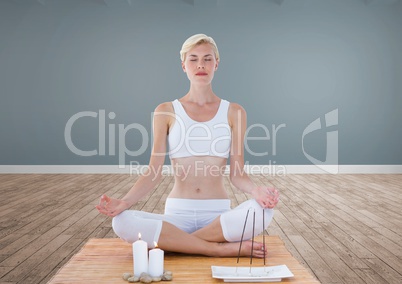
(188, 137)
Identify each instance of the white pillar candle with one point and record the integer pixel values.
(140, 256)
(155, 267)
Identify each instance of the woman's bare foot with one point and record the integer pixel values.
(232, 249)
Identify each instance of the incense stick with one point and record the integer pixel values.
(263, 232)
(252, 243)
(242, 235)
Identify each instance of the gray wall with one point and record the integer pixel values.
(286, 64)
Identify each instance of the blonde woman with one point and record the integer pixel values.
(200, 131)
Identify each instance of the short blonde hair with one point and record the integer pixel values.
(197, 40)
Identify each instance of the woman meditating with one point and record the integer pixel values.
(200, 131)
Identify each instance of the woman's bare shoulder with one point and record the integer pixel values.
(164, 107)
(236, 113)
(235, 110)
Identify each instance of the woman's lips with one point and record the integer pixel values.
(201, 74)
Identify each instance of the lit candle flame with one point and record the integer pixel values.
(156, 244)
(139, 236)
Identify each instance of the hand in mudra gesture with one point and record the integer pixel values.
(267, 197)
(111, 206)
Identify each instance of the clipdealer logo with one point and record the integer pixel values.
(108, 131)
(330, 164)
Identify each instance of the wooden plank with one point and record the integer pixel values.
(345, 254)
(353, 245)
(322, 270)
(370, 276)
(28, 265)
(386, 272)
(41, 271)
(340, 268)
(379, 250)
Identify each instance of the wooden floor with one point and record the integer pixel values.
(344, 228)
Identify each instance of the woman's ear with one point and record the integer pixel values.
(183, 67)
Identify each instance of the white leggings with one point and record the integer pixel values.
(191, 215)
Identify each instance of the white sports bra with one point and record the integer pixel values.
(188, 137)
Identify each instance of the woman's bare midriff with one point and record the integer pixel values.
(199, 177)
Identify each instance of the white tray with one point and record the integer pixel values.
(257, 274)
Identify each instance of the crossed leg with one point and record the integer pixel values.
(219, 238)
(206, 241)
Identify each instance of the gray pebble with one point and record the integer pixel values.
(127, 275)
(167, 277)
(145, 278)
(133, 279)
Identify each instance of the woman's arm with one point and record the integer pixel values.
(145, 183)
(267, 197)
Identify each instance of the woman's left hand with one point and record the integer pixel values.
(267, 197)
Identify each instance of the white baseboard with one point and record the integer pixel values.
(252, 169)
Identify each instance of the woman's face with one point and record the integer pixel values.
(200, 64)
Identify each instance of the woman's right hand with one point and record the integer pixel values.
(111, 206)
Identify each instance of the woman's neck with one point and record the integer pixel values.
(201, 94)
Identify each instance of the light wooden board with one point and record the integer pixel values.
(105, 260)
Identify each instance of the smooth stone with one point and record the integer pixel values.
(146, 279)
(133, 279)
(167, 277)
(127, 275)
